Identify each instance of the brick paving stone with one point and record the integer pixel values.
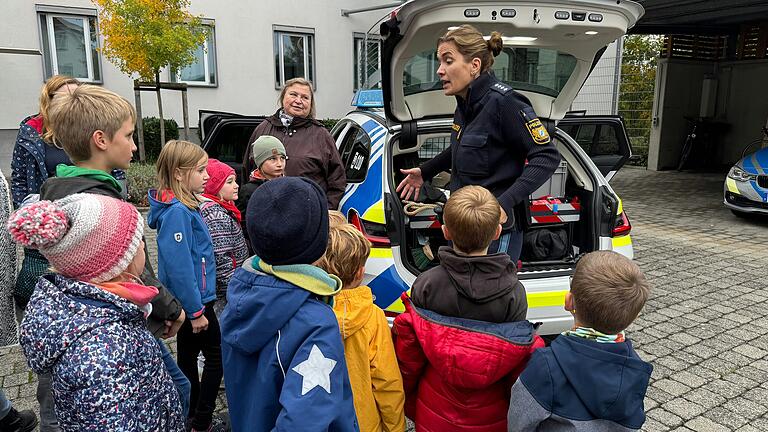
(726, 418)
(674, 388)
(665, 417)
(751, 352)
(703, 424)
(684, 408)
(760, 424)
(705, 398)
(745, 408)
(689, 379)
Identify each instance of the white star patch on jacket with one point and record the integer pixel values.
(315, 371)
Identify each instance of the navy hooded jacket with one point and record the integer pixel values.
(580, 385)
(283, 358)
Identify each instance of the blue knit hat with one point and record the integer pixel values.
(287, 221)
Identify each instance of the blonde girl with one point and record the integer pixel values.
(187, 267)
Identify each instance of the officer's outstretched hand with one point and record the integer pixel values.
(411, 183)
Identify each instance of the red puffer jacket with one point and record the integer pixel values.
(457, 373)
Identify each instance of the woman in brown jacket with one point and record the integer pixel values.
(311, 151)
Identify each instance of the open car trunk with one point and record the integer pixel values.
(550, 46)
(562, 224)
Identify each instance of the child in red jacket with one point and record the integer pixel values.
(463, 340)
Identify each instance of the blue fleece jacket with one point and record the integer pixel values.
(283, 358)
(185, 261)
(580, 385)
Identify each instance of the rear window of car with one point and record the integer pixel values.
(538, 70)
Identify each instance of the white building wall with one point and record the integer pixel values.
(598, 95)
(244, 52)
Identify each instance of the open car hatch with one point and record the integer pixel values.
(549, 49)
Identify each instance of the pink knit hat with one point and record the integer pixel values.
(218, 172)
(92, 238)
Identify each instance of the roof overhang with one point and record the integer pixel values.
(699, 16)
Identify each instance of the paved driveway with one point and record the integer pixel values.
(705, 328)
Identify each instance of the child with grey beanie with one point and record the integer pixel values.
(268, 155)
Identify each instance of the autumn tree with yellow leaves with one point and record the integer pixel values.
(141, 37)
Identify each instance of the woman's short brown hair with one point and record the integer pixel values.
(609, 291)
(303, 82)
(472, 44)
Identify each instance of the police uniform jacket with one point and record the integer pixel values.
(495, 130)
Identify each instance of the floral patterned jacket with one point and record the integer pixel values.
(107, 370)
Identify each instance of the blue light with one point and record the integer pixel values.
(368, 99)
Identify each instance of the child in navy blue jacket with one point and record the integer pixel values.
(282, 349)
(590, 378)
(187, 266)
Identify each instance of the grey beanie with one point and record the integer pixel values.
(265, 147)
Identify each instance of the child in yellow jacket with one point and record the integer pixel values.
(377, 387)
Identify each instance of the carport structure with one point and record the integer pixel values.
(713, 67)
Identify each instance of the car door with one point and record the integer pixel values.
(603, 138)
(226, 136)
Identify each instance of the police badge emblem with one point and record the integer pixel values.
(538, 131)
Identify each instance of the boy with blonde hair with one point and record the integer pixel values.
(463, 339)
(377, 387)
(590, 378)
(469, 283)
(95, 128)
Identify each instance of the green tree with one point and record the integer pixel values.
(143, 36)
(638, 79)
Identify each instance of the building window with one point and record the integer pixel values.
(70, 44)
(367, 61)
(202, 71)
(294, 54)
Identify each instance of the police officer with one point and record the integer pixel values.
(495, 131)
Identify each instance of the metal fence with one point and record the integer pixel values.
(637, 89)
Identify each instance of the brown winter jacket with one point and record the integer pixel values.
(311, 153)
(483, 288)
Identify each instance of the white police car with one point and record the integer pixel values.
(549, 49)
(746, 186)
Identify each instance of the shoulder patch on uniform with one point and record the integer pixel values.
(501, 88)
(178, 237)
(538, 131)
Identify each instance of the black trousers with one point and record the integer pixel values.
(204, 391)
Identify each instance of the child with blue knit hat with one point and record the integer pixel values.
(281, 346)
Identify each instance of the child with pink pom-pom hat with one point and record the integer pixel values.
(86, 322)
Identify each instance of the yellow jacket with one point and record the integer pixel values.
(377, 387)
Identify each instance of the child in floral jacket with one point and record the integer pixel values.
(86, 323)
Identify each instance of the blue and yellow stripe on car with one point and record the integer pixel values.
(363, 197)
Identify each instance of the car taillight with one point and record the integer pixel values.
(375, 233)
(622, 227)
(391, 314)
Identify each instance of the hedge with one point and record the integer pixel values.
(141, 178)
(152, 136)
